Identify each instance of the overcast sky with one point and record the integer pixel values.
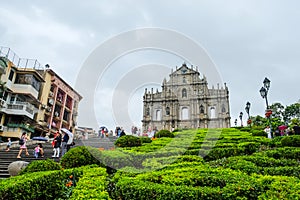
(246, 40)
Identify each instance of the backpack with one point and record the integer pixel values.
(21, 141)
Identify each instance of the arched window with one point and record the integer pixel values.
(147, 111)
(212, 112)
(184, 113)
(184, 94)
(202, 109)
(183, 80)
(158, 115)
(223, 108)
(167, 111)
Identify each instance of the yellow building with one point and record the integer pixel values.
(19, 101)
(33, 98)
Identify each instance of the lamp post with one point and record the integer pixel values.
(264, 90)
(241, 118)
(264, 94)
(247, 108)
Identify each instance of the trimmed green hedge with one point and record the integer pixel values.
(38, 185)
(128, 141)
(78, 156)
(91, 185)
(41, 165)
(164, 133)
(202, 182)
(291, 141)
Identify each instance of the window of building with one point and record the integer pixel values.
(223, 109)
(184, 80)
(212, 112)
(28, 79)
(184, 113)
(202, 109)
(167, 111)
(11, 75)
(158, 115)
(184, 94)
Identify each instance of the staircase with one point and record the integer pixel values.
(8, 157)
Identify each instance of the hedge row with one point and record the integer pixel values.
(260, 165)
(91, 185)
(38, 185)
(203, 182)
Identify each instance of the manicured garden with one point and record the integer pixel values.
(186, 164)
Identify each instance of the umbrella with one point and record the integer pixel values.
(40, 138)
(282, 127)
(67, 132)
(70, 134)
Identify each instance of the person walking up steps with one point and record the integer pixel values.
(22, 142)
(56, 146)
(8, 144)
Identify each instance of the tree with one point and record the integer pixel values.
(291, 111)
(258, 120)
(277, 110)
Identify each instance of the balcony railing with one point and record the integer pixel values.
(19, 62)
(21, 108)
(22, 126)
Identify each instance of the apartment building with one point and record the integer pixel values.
(19, 101)
(33, 98)
(59, 103)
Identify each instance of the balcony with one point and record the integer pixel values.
(25, 89)
(15, 130)
(20, 108)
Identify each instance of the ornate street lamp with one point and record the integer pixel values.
(241, 118)
(264, 94)
(235, 122)
(247, 108)
(264, 90)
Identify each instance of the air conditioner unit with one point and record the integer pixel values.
(2, 102)
(51, 94)
(1, 127)
(50, 101)
(49, 109)
(44, 106)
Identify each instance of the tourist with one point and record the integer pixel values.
(23, 138)
(8, 144)
(57, 143)
(268, 131)
(41, 152)
(38, 151)
(70, 141)
(65, 139)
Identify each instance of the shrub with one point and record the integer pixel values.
(177, 130)
(291, 141)
(128, 141)
(41, 165)
(38, 185)
(78, 156)
(145, 139)
(164, 133)
(246, 129)
(91, 185)
(259, 133)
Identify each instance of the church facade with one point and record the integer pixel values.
(186, 102)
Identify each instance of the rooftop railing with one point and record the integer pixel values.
(24, 63)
